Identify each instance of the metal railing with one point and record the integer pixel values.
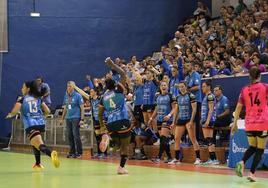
(55, 134)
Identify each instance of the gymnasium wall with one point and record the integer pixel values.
(72, 38)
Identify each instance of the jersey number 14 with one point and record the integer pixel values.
(255, 98)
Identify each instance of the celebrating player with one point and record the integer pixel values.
(31, 107)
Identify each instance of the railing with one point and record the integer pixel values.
(55, 134)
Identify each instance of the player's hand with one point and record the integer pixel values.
(81, 122)
(166, 118)
(108, 61)
(61, 122)
(9, 115)
(206, 124)
(234, 128)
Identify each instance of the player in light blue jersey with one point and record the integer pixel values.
(165, 107)
(32, 107)
(208, 117)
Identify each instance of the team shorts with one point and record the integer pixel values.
(34, 131)
(148, 108)
(261, 134)
(181, 122)
(120, 128)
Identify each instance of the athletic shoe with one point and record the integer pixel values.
(239, 169)
(197, 161)
(104, 142)
(208, 162)
(71, 156)
(38, 167)
(156, 160)
(122, 171)
(168, 160)
(157, 143)
(215, 162)
(174, 162)
(55, 160)
(78, 155)
(251, 177)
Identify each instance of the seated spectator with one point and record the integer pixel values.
(223, 70)
(257, 62)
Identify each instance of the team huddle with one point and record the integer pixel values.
(160, 111)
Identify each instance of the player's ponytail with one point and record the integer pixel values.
(254, 74)
(35, 90)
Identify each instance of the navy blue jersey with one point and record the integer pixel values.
(204, 108)
(149, 90)
(164, 106)
(185, 105)
(95, 108)
(115, 106)
(138, 95)
(194, 80)
(31, 111)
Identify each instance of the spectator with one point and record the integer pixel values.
(240, 7)
(46, 97)
(223, 70)
(73, 112)
(223, 114)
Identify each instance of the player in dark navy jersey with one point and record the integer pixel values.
(32, 107)
(184, 116)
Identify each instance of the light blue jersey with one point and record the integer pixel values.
(115, 106)
(31, 111)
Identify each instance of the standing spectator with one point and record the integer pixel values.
(44, 86)
(223, 116)
(89, 82)
(73, 112)
(193, 81)
(240, 7)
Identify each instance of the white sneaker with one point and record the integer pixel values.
(197, 161)
(208, 162)
(122, 171)
(174, 162)
(251, 177)
(215, 162)
(157, 143)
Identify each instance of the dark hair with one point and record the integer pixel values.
(218, 86)
(35, 90)
(183, 82)
(110, 84)
(41, 78)
(254, 73)
(208, 83)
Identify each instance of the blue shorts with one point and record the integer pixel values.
(181, 122)
(120, 128)
(210, 125)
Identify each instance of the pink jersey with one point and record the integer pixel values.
(254, 97)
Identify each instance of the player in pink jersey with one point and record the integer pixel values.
(254, 97)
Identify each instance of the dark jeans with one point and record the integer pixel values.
(198, 127)
(73, 131)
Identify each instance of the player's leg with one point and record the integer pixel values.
(252, 140)
(192, 136)
(179, 131)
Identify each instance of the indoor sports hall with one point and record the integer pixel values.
(123, 93)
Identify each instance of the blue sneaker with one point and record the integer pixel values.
(156, 160)
(208, 162)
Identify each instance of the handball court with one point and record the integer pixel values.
(16, 171)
